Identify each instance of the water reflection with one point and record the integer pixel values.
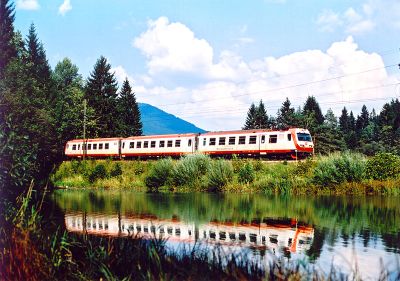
(282, 235)
(349, 232)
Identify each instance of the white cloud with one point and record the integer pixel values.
(336, 77)
(328, 21)
(28, 5)
(65, 7)
(173, 47)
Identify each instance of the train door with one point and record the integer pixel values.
(262, 144)
(119, 148)
(196, 143)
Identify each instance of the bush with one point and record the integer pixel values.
(160, 173)
(383, 166)
(338, 168)
(190, 169)
(99, 172)
(220, 173)
(116, 170)
(246, 174)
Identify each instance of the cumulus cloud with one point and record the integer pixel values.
(28, 5)
(65, 7)
(337, 77)
(329, 21)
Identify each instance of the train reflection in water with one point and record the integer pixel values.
(286, 235)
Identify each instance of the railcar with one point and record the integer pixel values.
(294, 143)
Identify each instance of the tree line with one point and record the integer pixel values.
(41, 108)
(368, 133)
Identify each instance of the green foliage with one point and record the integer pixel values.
(190, 169)
(116, 170)
(99, 172)
(220, 173)
(257, 117)
(339, 168)
(246, 174)
(160, 174)
(383, 166)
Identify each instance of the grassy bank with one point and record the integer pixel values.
(345, 173)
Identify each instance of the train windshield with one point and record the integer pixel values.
(303, 137)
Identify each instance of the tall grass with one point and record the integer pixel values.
(160, 174)
(220, 173)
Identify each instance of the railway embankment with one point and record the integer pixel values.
(338, 173)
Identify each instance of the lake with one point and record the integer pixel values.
(351, 233)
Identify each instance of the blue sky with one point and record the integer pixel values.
(207, 61)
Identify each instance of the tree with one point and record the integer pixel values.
(250, 122)
(286, 116)
(130, 123)
(311, 108)
(37, 61)
(7, 48)
(257, 117)
(330, 138)
(69, 103)
(101, 94)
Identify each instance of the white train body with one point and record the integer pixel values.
(293, 143)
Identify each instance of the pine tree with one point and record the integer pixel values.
(7, 48)
(344, 121)
(39, 66)
(330, 138)
(101, 94)
(311, 107)
(130, 123)
(261, 116)
(286, 116)
(251, 118)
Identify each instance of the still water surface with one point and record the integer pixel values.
(348, 232)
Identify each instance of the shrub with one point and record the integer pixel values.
(383, 166)
(99, 172)
(160, 173)
(190, 169)
(338, 168)
(116, 170)
(220, 174)
(246, 173)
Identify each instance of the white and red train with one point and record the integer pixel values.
(294, 143)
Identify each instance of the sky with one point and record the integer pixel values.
(207, 61)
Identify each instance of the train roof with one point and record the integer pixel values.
(162, 136)
(94, 140)
(238, 132)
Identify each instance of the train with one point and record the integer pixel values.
(292, 143)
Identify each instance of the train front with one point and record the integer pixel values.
(303, 143)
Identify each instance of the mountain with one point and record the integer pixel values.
(158, 122)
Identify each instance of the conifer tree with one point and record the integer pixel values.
(330, 138)
(311, 107)
(7, 48)
(261, 117)
(130, 123)
(286, 115)
(250, 122)
(101, 94)
(39, 66)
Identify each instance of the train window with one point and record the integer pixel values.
(100, 146)
(273, 139)
(169, 230)
(162, 143)
(253, 237)
(253, 140)
(84, 146)
(177, 231)
(204, 142)
(106, 146)
(289, 137)
(145, 144)
(153, 229)
(74, 147)
(139, 144)
(132, 144)
(212, 234)
(169, 143)
(190, 142)
(242, 140)
(138, 228)
(95, 146)
(221, 141)
(145, 229)
(123, 144)
(242, 236)
(232, 236)
(162, 231)
(212, 141)
(262, 139)
(303, 137)
(222, 235)
(177, 143)
(79, 146)
(153, 144)
(232, 140)
(89, 146)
